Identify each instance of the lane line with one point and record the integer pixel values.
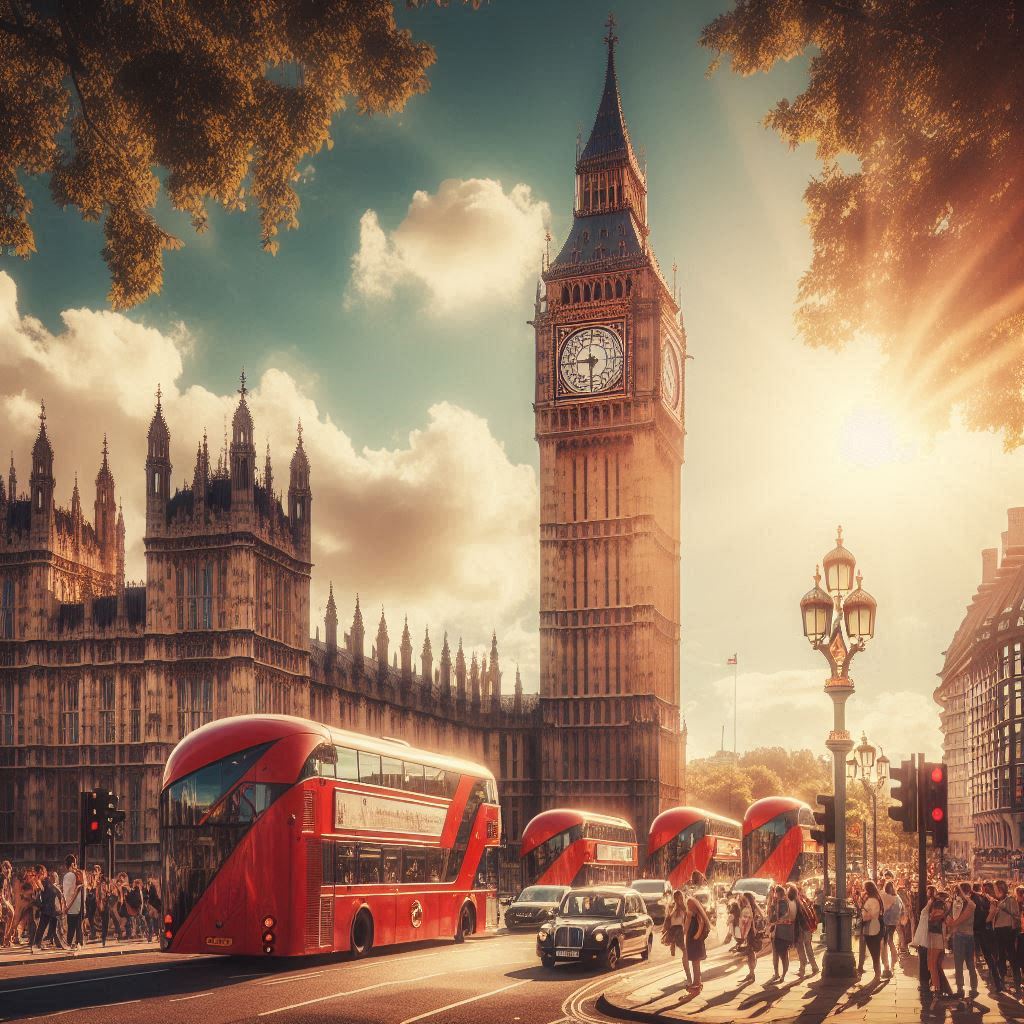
(297, 977)
(198, 995)
(462, 1002)
(84, 981)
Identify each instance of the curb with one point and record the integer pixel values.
(46, 958)
(604, 1005)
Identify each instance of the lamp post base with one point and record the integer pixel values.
(838, 961)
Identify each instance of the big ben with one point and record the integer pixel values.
(610, 351)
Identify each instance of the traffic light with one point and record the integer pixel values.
(93, 804)
(904, 793)
(826, 819)
(934, 805)
(111, 816)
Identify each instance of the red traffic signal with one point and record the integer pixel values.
(938, 814)
(938, 774)
(94, 826)
(935, 801)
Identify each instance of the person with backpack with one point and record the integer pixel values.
(805, 923)
(673, 931)
(752, 929)
(698, 928)
(984, 936)
(1004, 916)
(133, 902)
(960, 927)
(781, 915)
(871, 925)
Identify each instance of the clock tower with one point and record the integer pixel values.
(610, 351)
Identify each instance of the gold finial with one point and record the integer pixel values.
(839, 536)
(42, 414)
(611, 38)
(300, 433)
(817, 575)
(243, 389)
(159, 395)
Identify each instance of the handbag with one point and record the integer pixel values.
(784, 932)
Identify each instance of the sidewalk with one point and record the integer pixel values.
(659, 994)
(16, 955)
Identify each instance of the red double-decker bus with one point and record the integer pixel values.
(777, 840)
(687, 839)
(570, 847)
(283, 837)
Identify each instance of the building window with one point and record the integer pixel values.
(67, 803)
(199, 601)
(7, 609)
(107, 709)
(195, 704)
(68, 724)
(135, 710)
(135, 830)
(7, 713)
(7, 810)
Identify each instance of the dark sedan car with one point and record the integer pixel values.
(534, 905)
(605, 923)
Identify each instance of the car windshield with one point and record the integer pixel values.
(649, 885)
(591, 904)
(540, 894)
(758, 886)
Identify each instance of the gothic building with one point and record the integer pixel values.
(100, 677)
(610, 351)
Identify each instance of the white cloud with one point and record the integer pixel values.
(470, 242)
(442, 528)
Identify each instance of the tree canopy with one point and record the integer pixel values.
(214, 99)
(917, 216)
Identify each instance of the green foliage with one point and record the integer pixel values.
(224, 98)
(918, 238)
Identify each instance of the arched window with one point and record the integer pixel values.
(586, 293)
(565, 294)
(629, 285)
(7, 609)
(607, 289)
(618, 282)
(622, 247)
(576, 293)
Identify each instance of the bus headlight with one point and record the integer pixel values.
(599, 936)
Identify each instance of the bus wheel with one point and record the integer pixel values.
(466, 923)
(610, 957)
(362, 934)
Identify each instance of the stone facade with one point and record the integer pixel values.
(982, 719)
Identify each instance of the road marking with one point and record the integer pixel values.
(84, 981)
(198, 995)
(297, 977)
(462, 1002)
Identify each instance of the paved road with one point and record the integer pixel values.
(492, 977)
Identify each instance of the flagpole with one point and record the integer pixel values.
(735, 670)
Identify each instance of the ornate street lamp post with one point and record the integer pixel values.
(838, 623)
(874, 777)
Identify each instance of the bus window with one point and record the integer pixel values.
(346, 766)
(391, 773)
(369, 862)
(320, 762)
(433, 782)
(344, 864)
(415, 866)
(492, 791)
(392, 865)
(451, 782)
(369, 768)
(436, 862)
(413, 777)
(328, 862)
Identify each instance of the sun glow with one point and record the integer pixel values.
(870, 436)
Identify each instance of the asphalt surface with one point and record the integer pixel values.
(491, 978)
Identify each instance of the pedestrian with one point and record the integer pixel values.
(734, 924)
(984, 936)
(892, 911)
(960, 928)
(752, 929)
(108, 910)
(805, 923)
(6, 900)
(133, 905)
(51, 903)
(673, 932)
(904, 929)
(935, 912)
(781, 915)
(698, 928)
(1004, 915)
(871, 925)
(73, 886)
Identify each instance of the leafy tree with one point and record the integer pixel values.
(763, 781)
(220, 97)
(720, 788)
(917, 216)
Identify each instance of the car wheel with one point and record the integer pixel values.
(547, 961)
(610, 957)
(646, 953)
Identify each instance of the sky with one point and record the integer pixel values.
(393, 322)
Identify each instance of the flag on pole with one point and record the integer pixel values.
(732, 660)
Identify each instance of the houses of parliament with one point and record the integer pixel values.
(100, 677)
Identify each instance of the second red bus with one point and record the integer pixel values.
(777, 840)
(564, 846)
(687, 839)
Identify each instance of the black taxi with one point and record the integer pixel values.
(603, 923)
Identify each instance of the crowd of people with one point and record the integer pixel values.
(70, 908)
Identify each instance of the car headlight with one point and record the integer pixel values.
(599, 936)
(543, 934)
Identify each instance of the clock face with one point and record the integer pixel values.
(669, 376)
(591, 361)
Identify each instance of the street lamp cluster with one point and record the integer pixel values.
(838, 622)
(874, 777)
